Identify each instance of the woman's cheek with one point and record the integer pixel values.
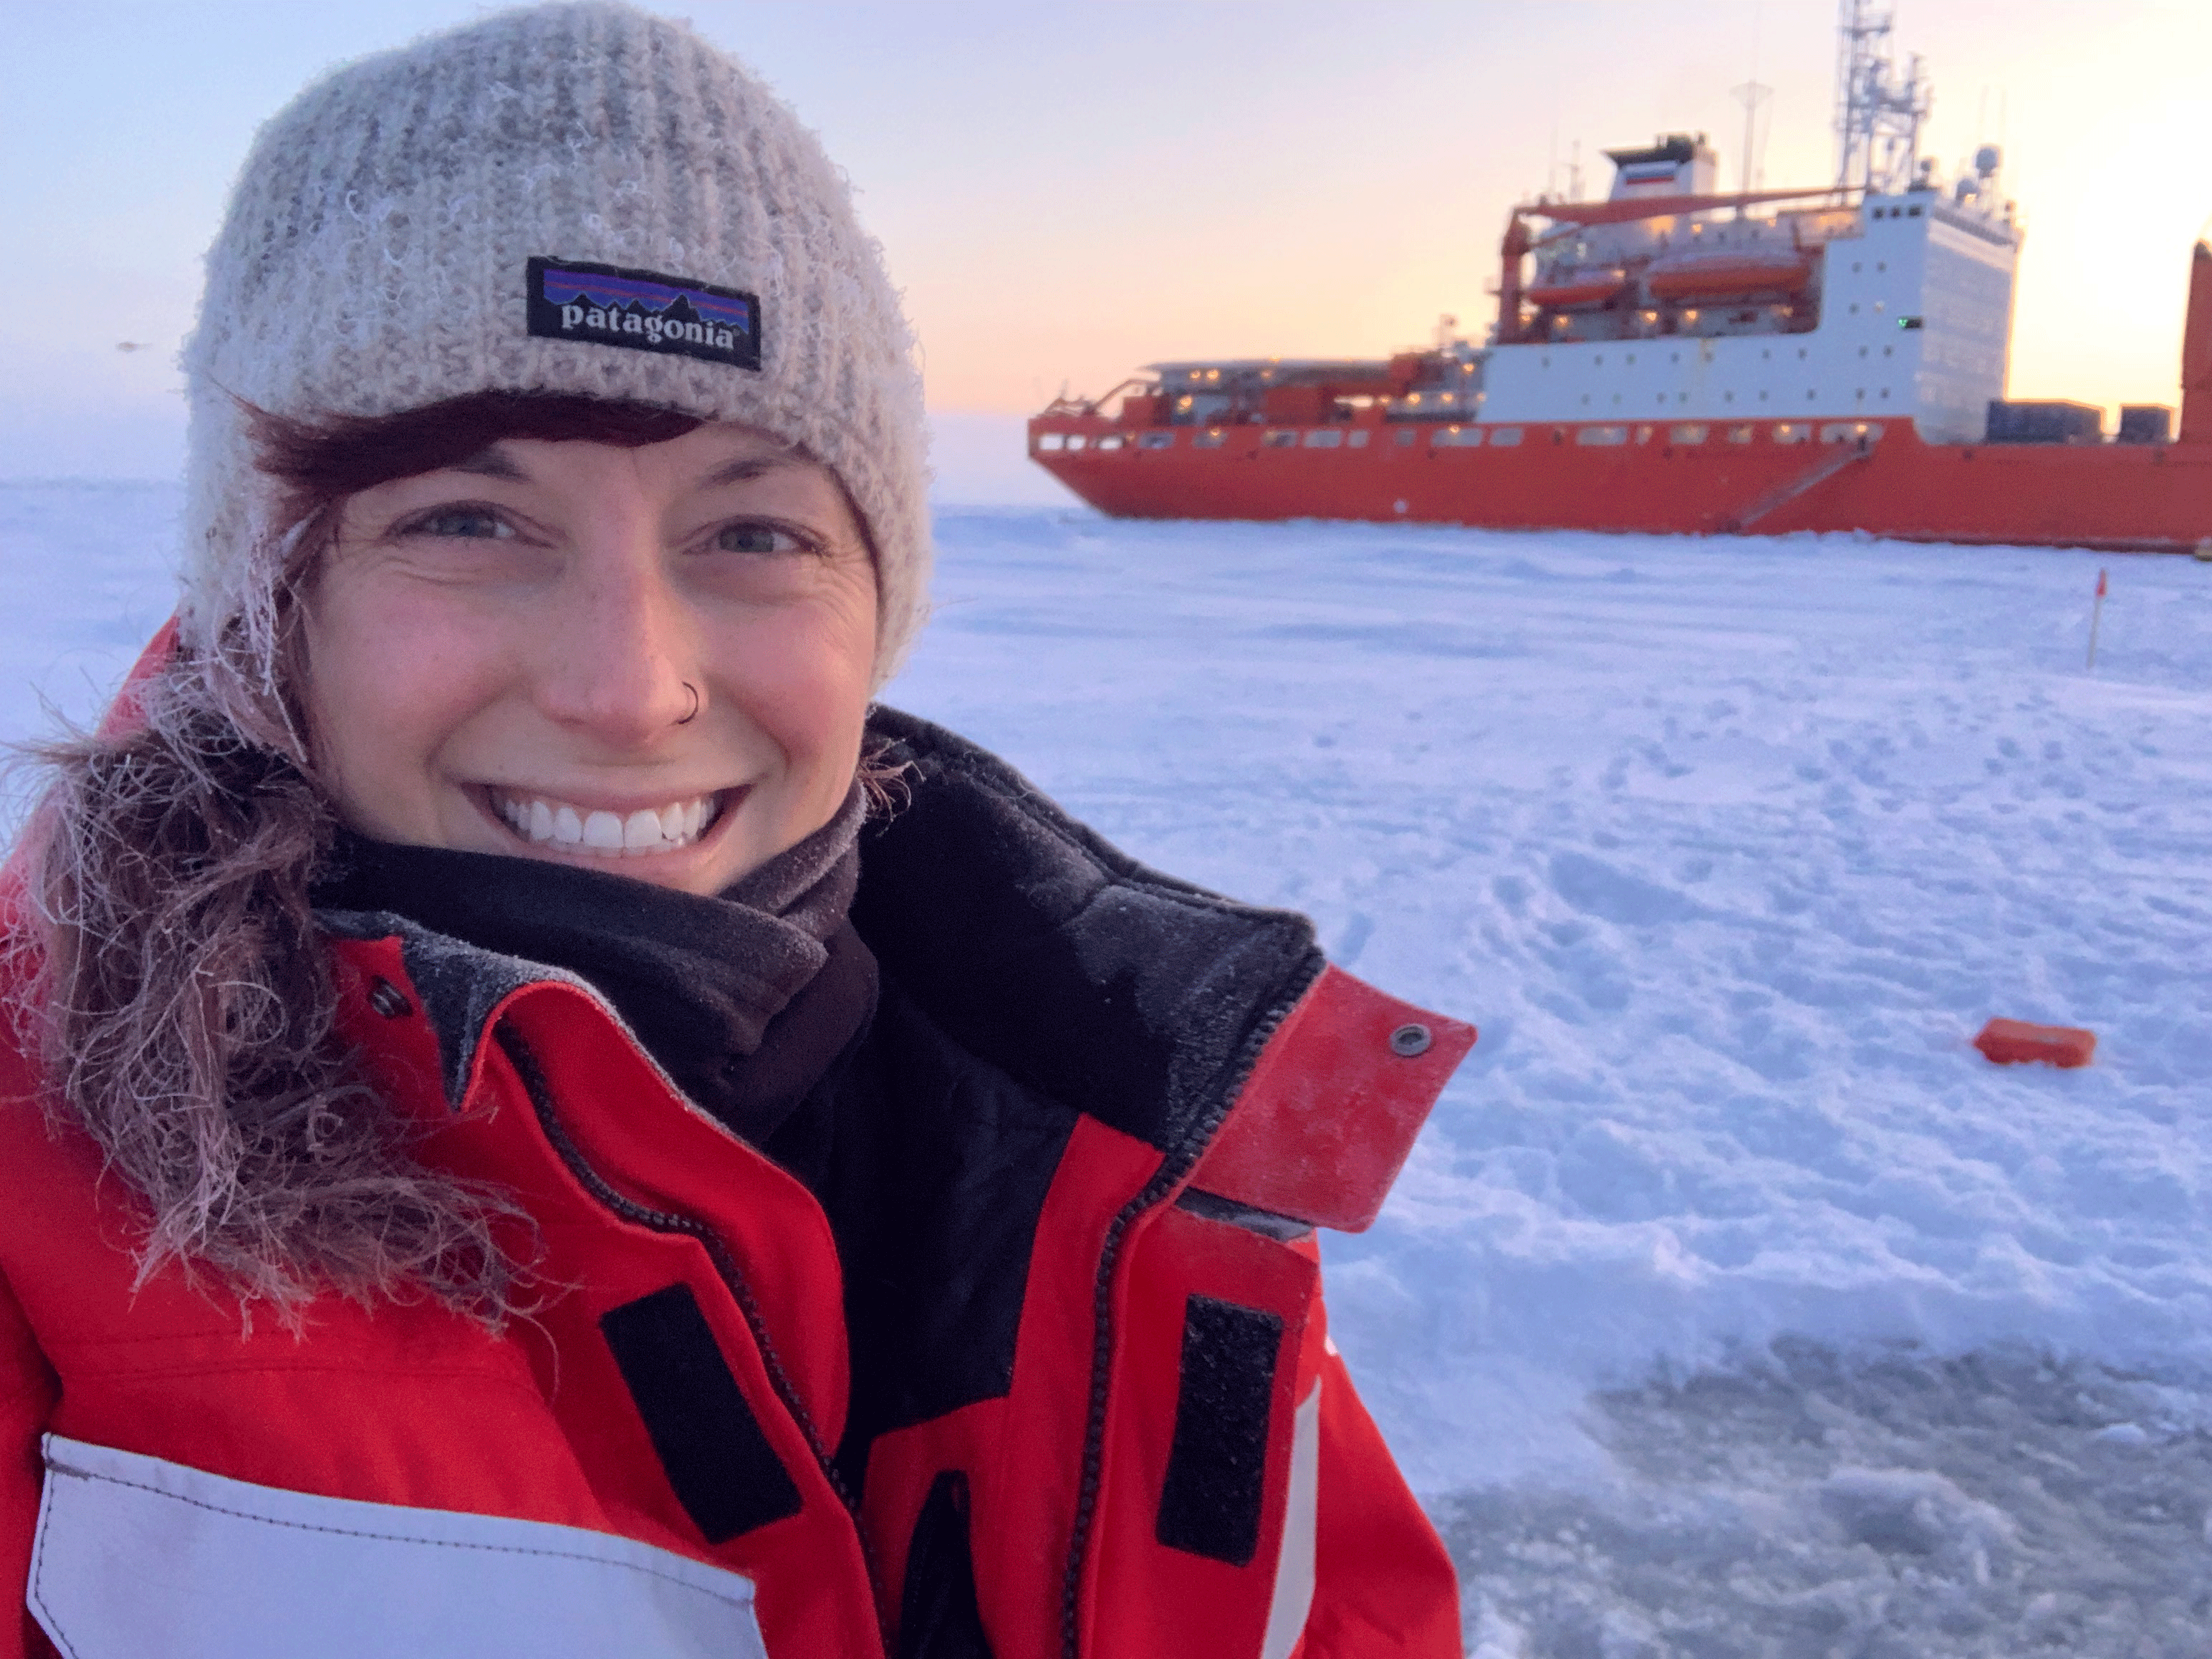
(396, 676)
(809, 683)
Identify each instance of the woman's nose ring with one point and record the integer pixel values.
(694, 715)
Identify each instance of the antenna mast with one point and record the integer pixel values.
(1751, 95)
(1878, 111)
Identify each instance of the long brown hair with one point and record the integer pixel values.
(168, 965)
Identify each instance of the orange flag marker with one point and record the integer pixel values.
(2014, 1041)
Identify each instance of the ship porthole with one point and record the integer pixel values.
(1398, 506)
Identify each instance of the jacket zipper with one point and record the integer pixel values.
(1177, 1165)
(725, 1267)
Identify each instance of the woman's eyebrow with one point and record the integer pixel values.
(490, 462)
(740, 471)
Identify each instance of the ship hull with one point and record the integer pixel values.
(2126, 497)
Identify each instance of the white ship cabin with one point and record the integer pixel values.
(1894, 306)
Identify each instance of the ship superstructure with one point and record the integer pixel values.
(1648, 305)
(1671, 349)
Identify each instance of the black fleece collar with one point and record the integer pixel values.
(1089, 977)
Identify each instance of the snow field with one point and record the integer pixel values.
(1729, 847)
(1732, 1303)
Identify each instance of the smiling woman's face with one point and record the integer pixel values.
(654, 662)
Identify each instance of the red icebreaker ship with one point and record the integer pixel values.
(1676, 358)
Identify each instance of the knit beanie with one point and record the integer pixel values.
(573, 198)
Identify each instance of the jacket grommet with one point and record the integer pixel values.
(389, 1000)
(1408, 1040)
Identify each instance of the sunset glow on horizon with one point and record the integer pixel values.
(1067, 193)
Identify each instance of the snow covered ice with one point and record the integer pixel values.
(1732, 1305)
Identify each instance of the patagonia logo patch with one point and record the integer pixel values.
(643, 311)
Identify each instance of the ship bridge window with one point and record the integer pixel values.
(1212, 438)
(1688, 432)
(1049, 440)
(1156, 440)
(1323, 437)
(1357, 439)
(1449, 437)
(1741, 435)
(1077, 441)
(1845, 432)
(1405, 436)
(1111, 441)
(1601, 437)
(1280, 439)
(1504, 437)
(1791, 432)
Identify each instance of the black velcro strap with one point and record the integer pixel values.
(1218, 1463)
(938, 1617)
(725, 1475)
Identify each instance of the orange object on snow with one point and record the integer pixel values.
(2013, 1042)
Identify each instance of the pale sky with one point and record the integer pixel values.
(1066, 190)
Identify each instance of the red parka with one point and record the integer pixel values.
(1103, 1419)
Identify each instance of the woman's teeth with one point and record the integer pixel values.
(606, 835)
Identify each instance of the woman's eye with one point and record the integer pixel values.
(471, 523)
(754, 539)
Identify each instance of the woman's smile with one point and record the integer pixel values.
(547, 820)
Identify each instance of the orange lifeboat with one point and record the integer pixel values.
(1583, 290)
(1734, 274)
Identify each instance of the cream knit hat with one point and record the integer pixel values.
(574, 199)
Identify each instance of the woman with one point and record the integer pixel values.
(498, 1157)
